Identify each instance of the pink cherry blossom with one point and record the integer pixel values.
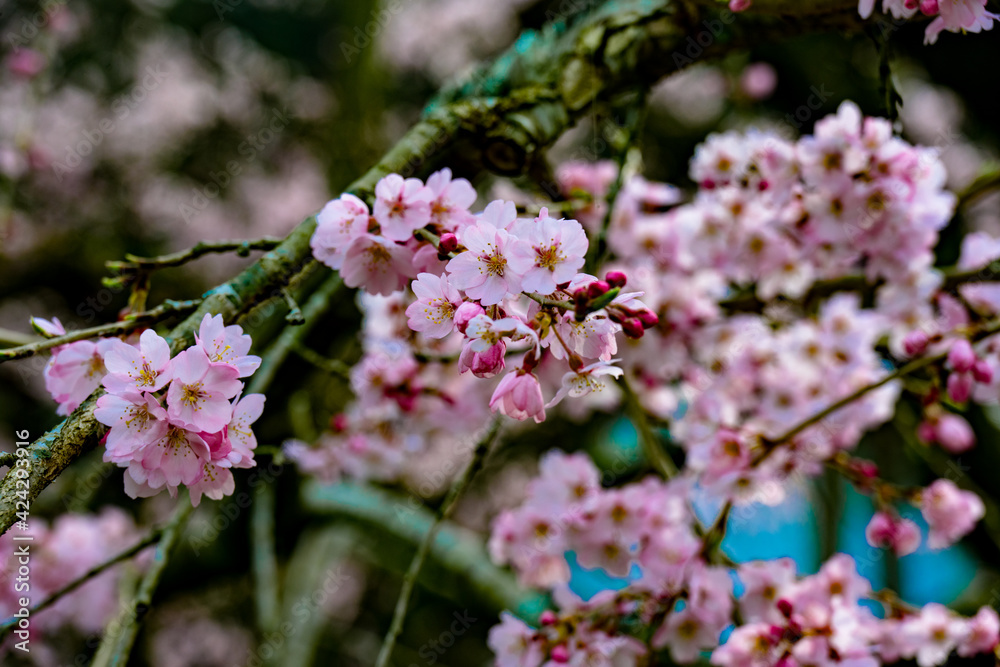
(144, 369)
(402, 206)
(519, 395)
(893, 532)
(434, 310)
(950, 512)
(584, 381)
(452, 199)
(337, 225)
(484, 364)
(377, 265)
(548, 252)
(75, 371)
(176, 458)
(135, 420)
(198, 396)
(483, 270)
(226, 345)
(246, 411)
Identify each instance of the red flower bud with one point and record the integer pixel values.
(615, 278)
(632, 326)
(448, 243)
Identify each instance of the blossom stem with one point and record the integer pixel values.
(549, 303)
(164, 310)
(116, 646)
(134, 264)
(443, 513)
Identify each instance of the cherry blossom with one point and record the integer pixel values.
(482, 271)
(144, 369)
(402, 206)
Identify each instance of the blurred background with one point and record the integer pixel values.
(145, 126)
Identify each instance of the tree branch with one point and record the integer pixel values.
(163, 311)
(133, 264)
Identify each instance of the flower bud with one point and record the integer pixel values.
(785, 607)
(915, 343)
(982, 372)
(597, 288)
(648, 318)
(960, 387)
(930, 7)
(448, 243)
(961, 356)
(954, 434)
(560, 654)
(632, 326)
(615, 278)
(465, 312)
(548, 617)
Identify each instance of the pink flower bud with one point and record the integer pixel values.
(915, 343)
(785, 607)
(616, 278)
(448, 243)
(632, 326)
(961, 356)
(465, 312)
(648, 318)
(982, 372)
(739, 5)
(954, 434)
(929, 7)
(338, 423)
(960, 387)
(560, 654)
(597, 288)
(548, 617)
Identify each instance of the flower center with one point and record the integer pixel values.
(548, 257)
(192, 394)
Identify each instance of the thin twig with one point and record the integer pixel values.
(116, 646)
(133, 264)
(905, 370)
(145, 542)
(164, 310)
(650, 443)
(331, 366)
(444, 512)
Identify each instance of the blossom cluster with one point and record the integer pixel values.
(61, 553)
(173, 421)
(472, 272)
(690, 601)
